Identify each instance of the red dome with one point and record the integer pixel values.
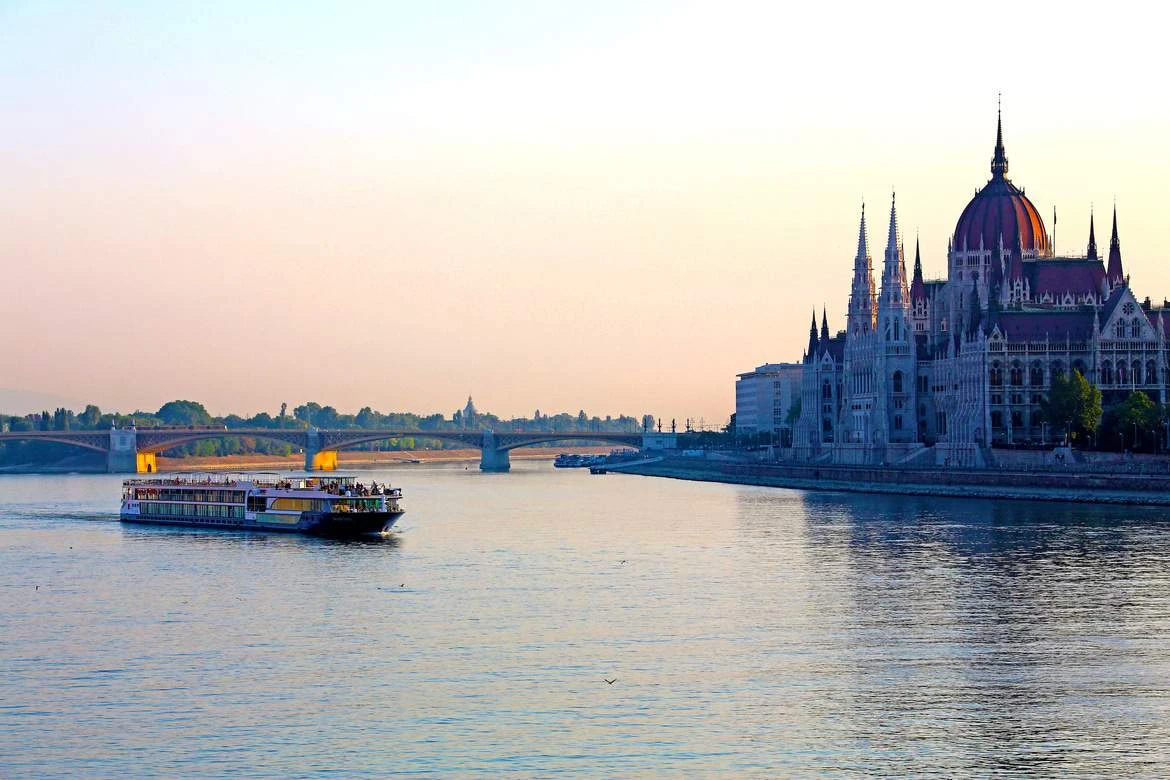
(1001, 209)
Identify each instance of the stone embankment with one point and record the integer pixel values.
(1082, 487)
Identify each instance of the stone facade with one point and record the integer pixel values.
(941, 371)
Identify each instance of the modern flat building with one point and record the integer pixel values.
(763, 398)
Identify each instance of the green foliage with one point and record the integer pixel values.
(1135, 423)
(183, 413)
(186, 413)
(1073, 405)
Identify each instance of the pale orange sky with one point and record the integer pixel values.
(601, 208)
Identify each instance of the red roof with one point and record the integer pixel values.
(1001, 209)
(1056, 277)
(1054, 325)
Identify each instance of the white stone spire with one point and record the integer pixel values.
(863, 293)
(895, 290)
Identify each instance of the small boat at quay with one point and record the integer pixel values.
(320, 505)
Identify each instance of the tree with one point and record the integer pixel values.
(183, 413)
(307, 413)
(91, 417)
(1073, 404)
(1130, 422)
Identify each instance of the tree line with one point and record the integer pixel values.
(185, 413)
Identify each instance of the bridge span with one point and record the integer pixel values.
(135, 450)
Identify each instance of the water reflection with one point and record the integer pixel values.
(996, 636)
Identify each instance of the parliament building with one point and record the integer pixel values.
(940, 371)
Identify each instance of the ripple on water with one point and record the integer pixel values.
(748, 631)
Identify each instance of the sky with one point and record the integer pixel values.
(614, 206)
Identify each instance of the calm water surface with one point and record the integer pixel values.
(752, 632)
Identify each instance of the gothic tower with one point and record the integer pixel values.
(894, 417)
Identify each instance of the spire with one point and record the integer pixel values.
(999, 163)
(895, 293)
(1092, 253)
(892, 241)
(861, 295)
(812, 339)
(862, 241)
(1113, 272)
(824, 323)
(917, 286)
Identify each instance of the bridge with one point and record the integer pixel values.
(135, 450)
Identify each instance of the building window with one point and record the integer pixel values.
(1017, 374)
(1037, 377)
(1107, 373)
(897, 422)
(897, 381)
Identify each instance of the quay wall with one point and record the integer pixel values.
(1078, 486)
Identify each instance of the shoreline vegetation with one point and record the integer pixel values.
(244, 439)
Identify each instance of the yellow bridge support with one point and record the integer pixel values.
(325, 460)
(147, 462)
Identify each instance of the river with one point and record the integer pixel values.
(749, 632)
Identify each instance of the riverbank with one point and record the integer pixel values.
(361, 459)
(1138, 490)
(355, 460)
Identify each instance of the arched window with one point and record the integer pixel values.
(1037, 378)
(996, 375)
(1016, 374)
(1151, 373)
(897, 381)
(827, 389)
(1057, 370)
(1137, 370)
(1107, 373)
(1122, 374)
(1079, 367)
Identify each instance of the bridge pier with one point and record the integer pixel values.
(123, 456)
(492, 457)
(317, 459)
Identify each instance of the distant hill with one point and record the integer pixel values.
(22, 402)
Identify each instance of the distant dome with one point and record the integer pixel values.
(1001, 209)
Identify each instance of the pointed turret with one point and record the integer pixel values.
(999, 163)
(1113, 272)
(894, 290)
(862, 294)
(825, 324)
(1091, 254)
(917, 285)
(812, 339)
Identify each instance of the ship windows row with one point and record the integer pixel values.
(190, 510)
(178, 494)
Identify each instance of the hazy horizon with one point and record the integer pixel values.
(607, 208)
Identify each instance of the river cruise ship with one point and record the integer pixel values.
(321, 505)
